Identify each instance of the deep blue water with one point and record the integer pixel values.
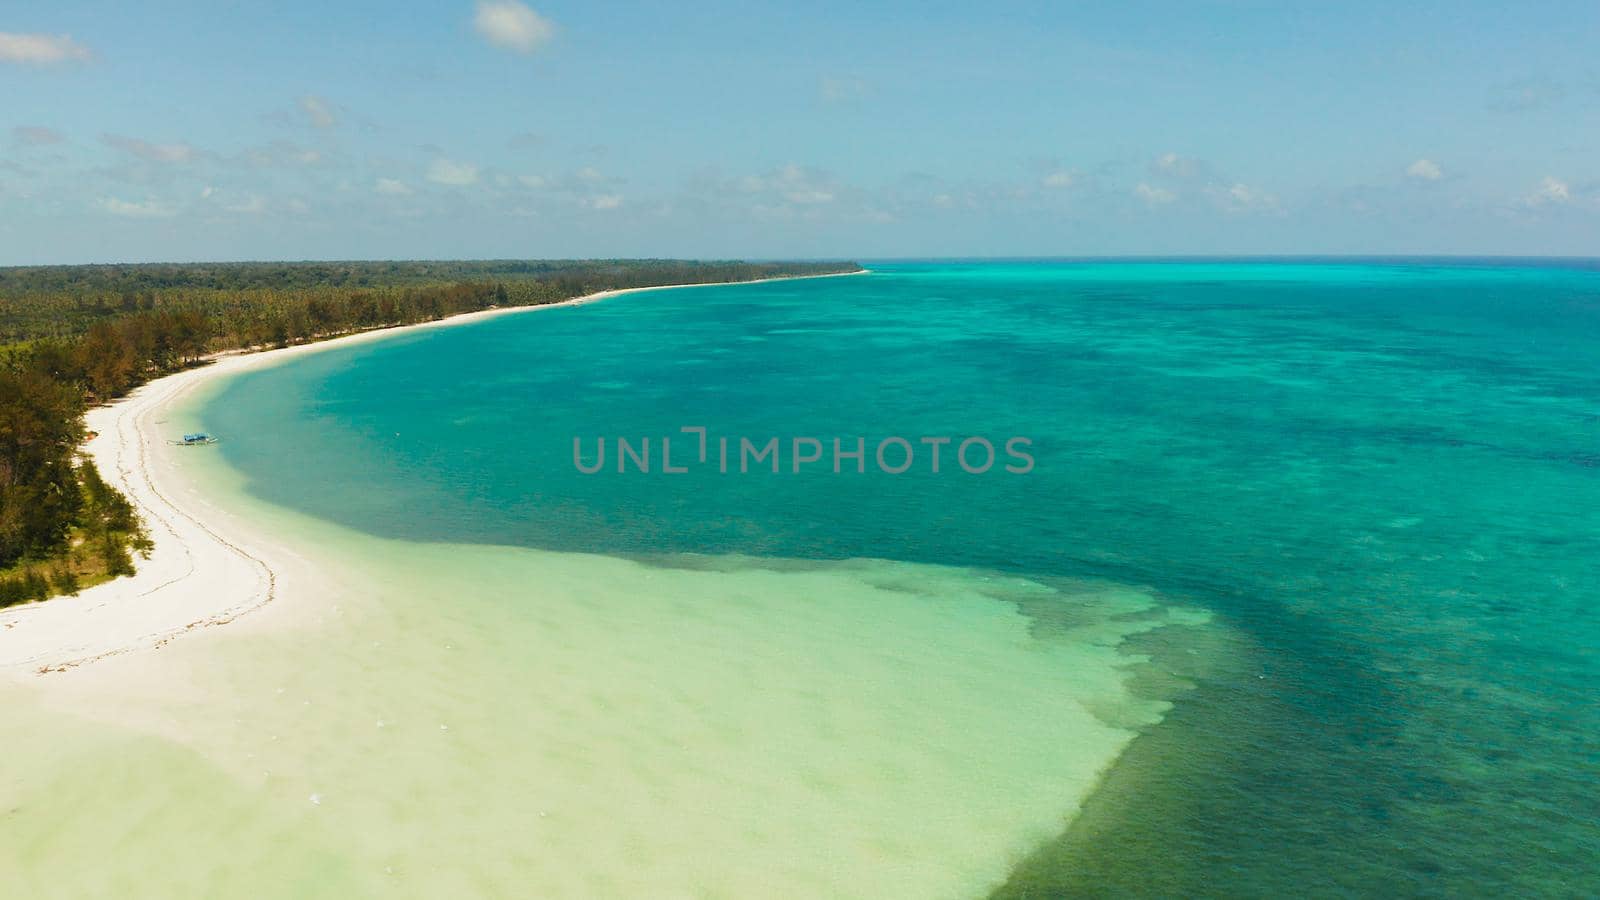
(1384, 476)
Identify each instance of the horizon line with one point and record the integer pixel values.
(1097, 257)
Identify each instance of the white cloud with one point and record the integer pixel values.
(792, 183)
(1058, 180)
(789, 192)
(318, 112)
(809, 196)
(1173, 177)
(1246, 195)
(1425, 169)
(40, 49)
(176, 153)
(392, 187)
(531, 181)
(1155, 196)
(512, 25)
(606, 201)
(150, 209)
(1551, 190)
(1242, 198)
(444, 171)
(1179, 166)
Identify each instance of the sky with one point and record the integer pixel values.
(168, 130)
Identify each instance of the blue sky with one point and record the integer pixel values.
(170, 130)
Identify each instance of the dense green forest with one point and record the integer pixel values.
(73, 336)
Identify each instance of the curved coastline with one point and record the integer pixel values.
(908, 791)
(204, 570)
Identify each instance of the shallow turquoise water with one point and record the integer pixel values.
(1385, 476)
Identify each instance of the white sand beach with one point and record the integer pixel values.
(207, 568)
(392, 718)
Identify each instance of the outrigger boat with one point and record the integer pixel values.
(194, 440)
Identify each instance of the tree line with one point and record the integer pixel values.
(73, 336)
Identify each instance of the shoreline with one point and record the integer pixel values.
(202, 572)
(222, 698)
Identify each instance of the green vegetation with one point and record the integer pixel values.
(71, 336)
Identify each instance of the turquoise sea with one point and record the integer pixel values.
(1381, 477)
(1299, 597)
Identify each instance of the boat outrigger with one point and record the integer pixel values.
(194, 440)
